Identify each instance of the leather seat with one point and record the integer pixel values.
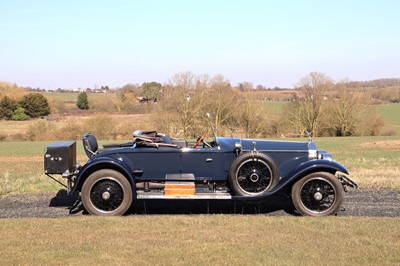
(90, 144)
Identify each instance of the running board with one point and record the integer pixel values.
(205, 196)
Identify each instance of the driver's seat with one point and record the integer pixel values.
(90, 144)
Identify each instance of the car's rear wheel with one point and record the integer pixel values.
(318, 194)
(107, 193)
(253, 174)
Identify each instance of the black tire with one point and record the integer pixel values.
(106, 193)
(253, 174)
(318, 194)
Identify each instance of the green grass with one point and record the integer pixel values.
(390, 113)
(23, 148)
(374, 162)
(71, 96)
(21, 168)
(61, 96)
(274, 107)
(201, 240)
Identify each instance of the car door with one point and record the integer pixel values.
(198, 162)
(155, 163)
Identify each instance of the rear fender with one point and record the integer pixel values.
(103, 163)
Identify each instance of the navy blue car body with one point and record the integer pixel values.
(155, 166)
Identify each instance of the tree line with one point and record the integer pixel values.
(317, 104)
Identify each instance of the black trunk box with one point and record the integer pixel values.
(60, 157)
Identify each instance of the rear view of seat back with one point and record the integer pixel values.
(90, 144)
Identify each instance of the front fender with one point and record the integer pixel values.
(316, 166)
(308, 167)
(102, 163)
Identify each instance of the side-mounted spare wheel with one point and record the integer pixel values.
(106, 192)
(318, 194)
(253, 174)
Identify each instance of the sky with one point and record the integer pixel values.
(87, 43)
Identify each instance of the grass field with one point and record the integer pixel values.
(14, 128)
(71, 97)
(274, 107)
(391, 115)
(200, 240)
(373, 161)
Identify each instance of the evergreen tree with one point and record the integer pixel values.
(7, 106)
(35, 105)
(19, 115)
(82, 101)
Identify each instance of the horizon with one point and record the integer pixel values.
(51, 45)
(101, 87)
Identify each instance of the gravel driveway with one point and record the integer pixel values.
(361, 202)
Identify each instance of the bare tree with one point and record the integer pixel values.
(291, 117)
(221, 101)
(346, 108)
(250, 114)
(183, 104)
(11, 90)
(185, 81)
(307, 110)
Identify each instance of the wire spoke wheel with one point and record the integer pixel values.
(107, 195)
(253, 174)
(318, 194)
(106, 192)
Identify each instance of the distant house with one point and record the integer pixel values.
(142, 99)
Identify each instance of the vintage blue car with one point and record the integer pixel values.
(156, 166)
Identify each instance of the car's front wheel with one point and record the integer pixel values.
(318, 194)
(106, 192)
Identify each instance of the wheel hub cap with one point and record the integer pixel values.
(106, 195)
(318, 196)
(254, 177)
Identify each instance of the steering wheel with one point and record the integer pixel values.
(200, 138)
